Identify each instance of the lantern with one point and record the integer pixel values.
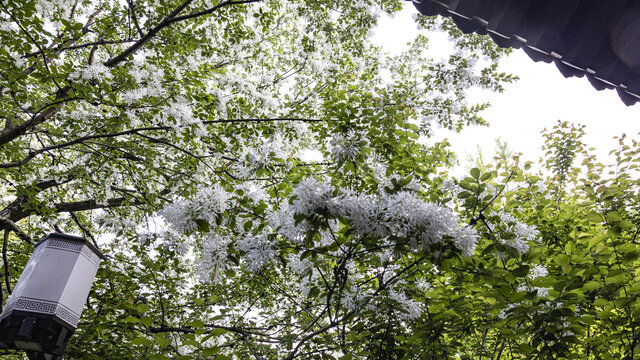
(45, 306)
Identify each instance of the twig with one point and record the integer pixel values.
(84, 229)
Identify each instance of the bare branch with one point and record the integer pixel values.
(84, 229)
(135, 18)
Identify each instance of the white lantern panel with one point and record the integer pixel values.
(57, 279)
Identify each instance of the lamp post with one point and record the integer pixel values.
(45, 306)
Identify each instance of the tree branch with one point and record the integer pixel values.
(212, 10)
(138, 44)
(5, 261)
(9, 225)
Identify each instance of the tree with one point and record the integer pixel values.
(179, 127)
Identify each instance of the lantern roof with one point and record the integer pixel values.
(596, 39)
(72, 238)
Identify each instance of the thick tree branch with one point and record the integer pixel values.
(93, 204)
(245, 332)
(138, 44)
(211, 10)
(9, 225)
(9, 134)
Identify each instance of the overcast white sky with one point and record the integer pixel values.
(536, 101)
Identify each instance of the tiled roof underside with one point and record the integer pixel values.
(596, 38)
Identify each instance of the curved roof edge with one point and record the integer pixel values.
(599, 40)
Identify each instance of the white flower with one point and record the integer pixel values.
(352, 299)
(523, 233)
(465, 240)
(449, 185)
(96, 71)
(208, 204)
(364, 212)
(542, 292)
(213, 258)
(538, 271)
(410, 214)
(410, 309)
(310, 196)
(424, 285)
(258, 251)
(284, 224)
(346, 147)
(503, 312)
(519, 244)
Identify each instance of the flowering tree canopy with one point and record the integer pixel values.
(266, 186)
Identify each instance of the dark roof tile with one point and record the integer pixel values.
(600, 39)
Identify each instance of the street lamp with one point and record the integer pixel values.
(44, 308)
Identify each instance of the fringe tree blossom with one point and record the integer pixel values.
(207, 205)
(285, 225)
(522, 232)
(310, 196)
(96, 71)
(538, 271)
(409, 308)
(465, 239)
(402, 214)
(258, 251)
(213, 257)
(346, 147)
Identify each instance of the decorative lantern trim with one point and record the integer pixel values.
(72, 238)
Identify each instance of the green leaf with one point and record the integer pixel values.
(141, 341)
(592, 285)
(525, 348)
(562, 260)
(475, 173)
(210, 351)
(132, 319)
(594, 217)
(218, 332)
(613, 216)
(203, 226)
(195, 324)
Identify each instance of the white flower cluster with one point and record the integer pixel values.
(465, 239)
(96, 71)
(449, 185)
(410, 309)
(285, 225)
(213, 257)
(207, 205)
(311, 196)
(346, 147)
(258, 251)
(402, 214)
(353, 299)
(49, 7)
(523, 233)
(538, 271)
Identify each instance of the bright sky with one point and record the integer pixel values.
(536, 101)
